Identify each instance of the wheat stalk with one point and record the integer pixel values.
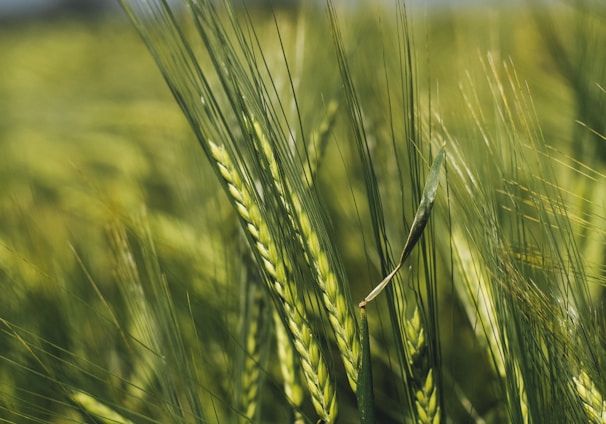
(314, 367)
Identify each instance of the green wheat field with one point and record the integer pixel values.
(380, 213)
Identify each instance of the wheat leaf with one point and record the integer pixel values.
(418, 224)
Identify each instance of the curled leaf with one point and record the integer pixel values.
(418, 224)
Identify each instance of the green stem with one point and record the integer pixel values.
(364, 388)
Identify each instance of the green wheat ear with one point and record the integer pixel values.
(289, 367)
(97, 409)
(318, 143)
(478, 298)
(255, 320)
(341, 318)
(143, 327)
(315, 369)
(593, 401)
(426, 395)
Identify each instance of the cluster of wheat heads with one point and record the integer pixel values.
(529, 298)
(524, 291)
(239, 117)
(500, 245)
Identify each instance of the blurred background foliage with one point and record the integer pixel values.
(95, 155)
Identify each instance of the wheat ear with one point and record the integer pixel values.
(100, 411)
(593, 402)
(340, 316)
(426, 395)
(255, 336)
(143, 326)
(314, 367)
(316, 148)
(477, 296)
(289, 368)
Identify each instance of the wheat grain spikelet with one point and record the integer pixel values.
(426, 397)
(428, 411)
(593, 401)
